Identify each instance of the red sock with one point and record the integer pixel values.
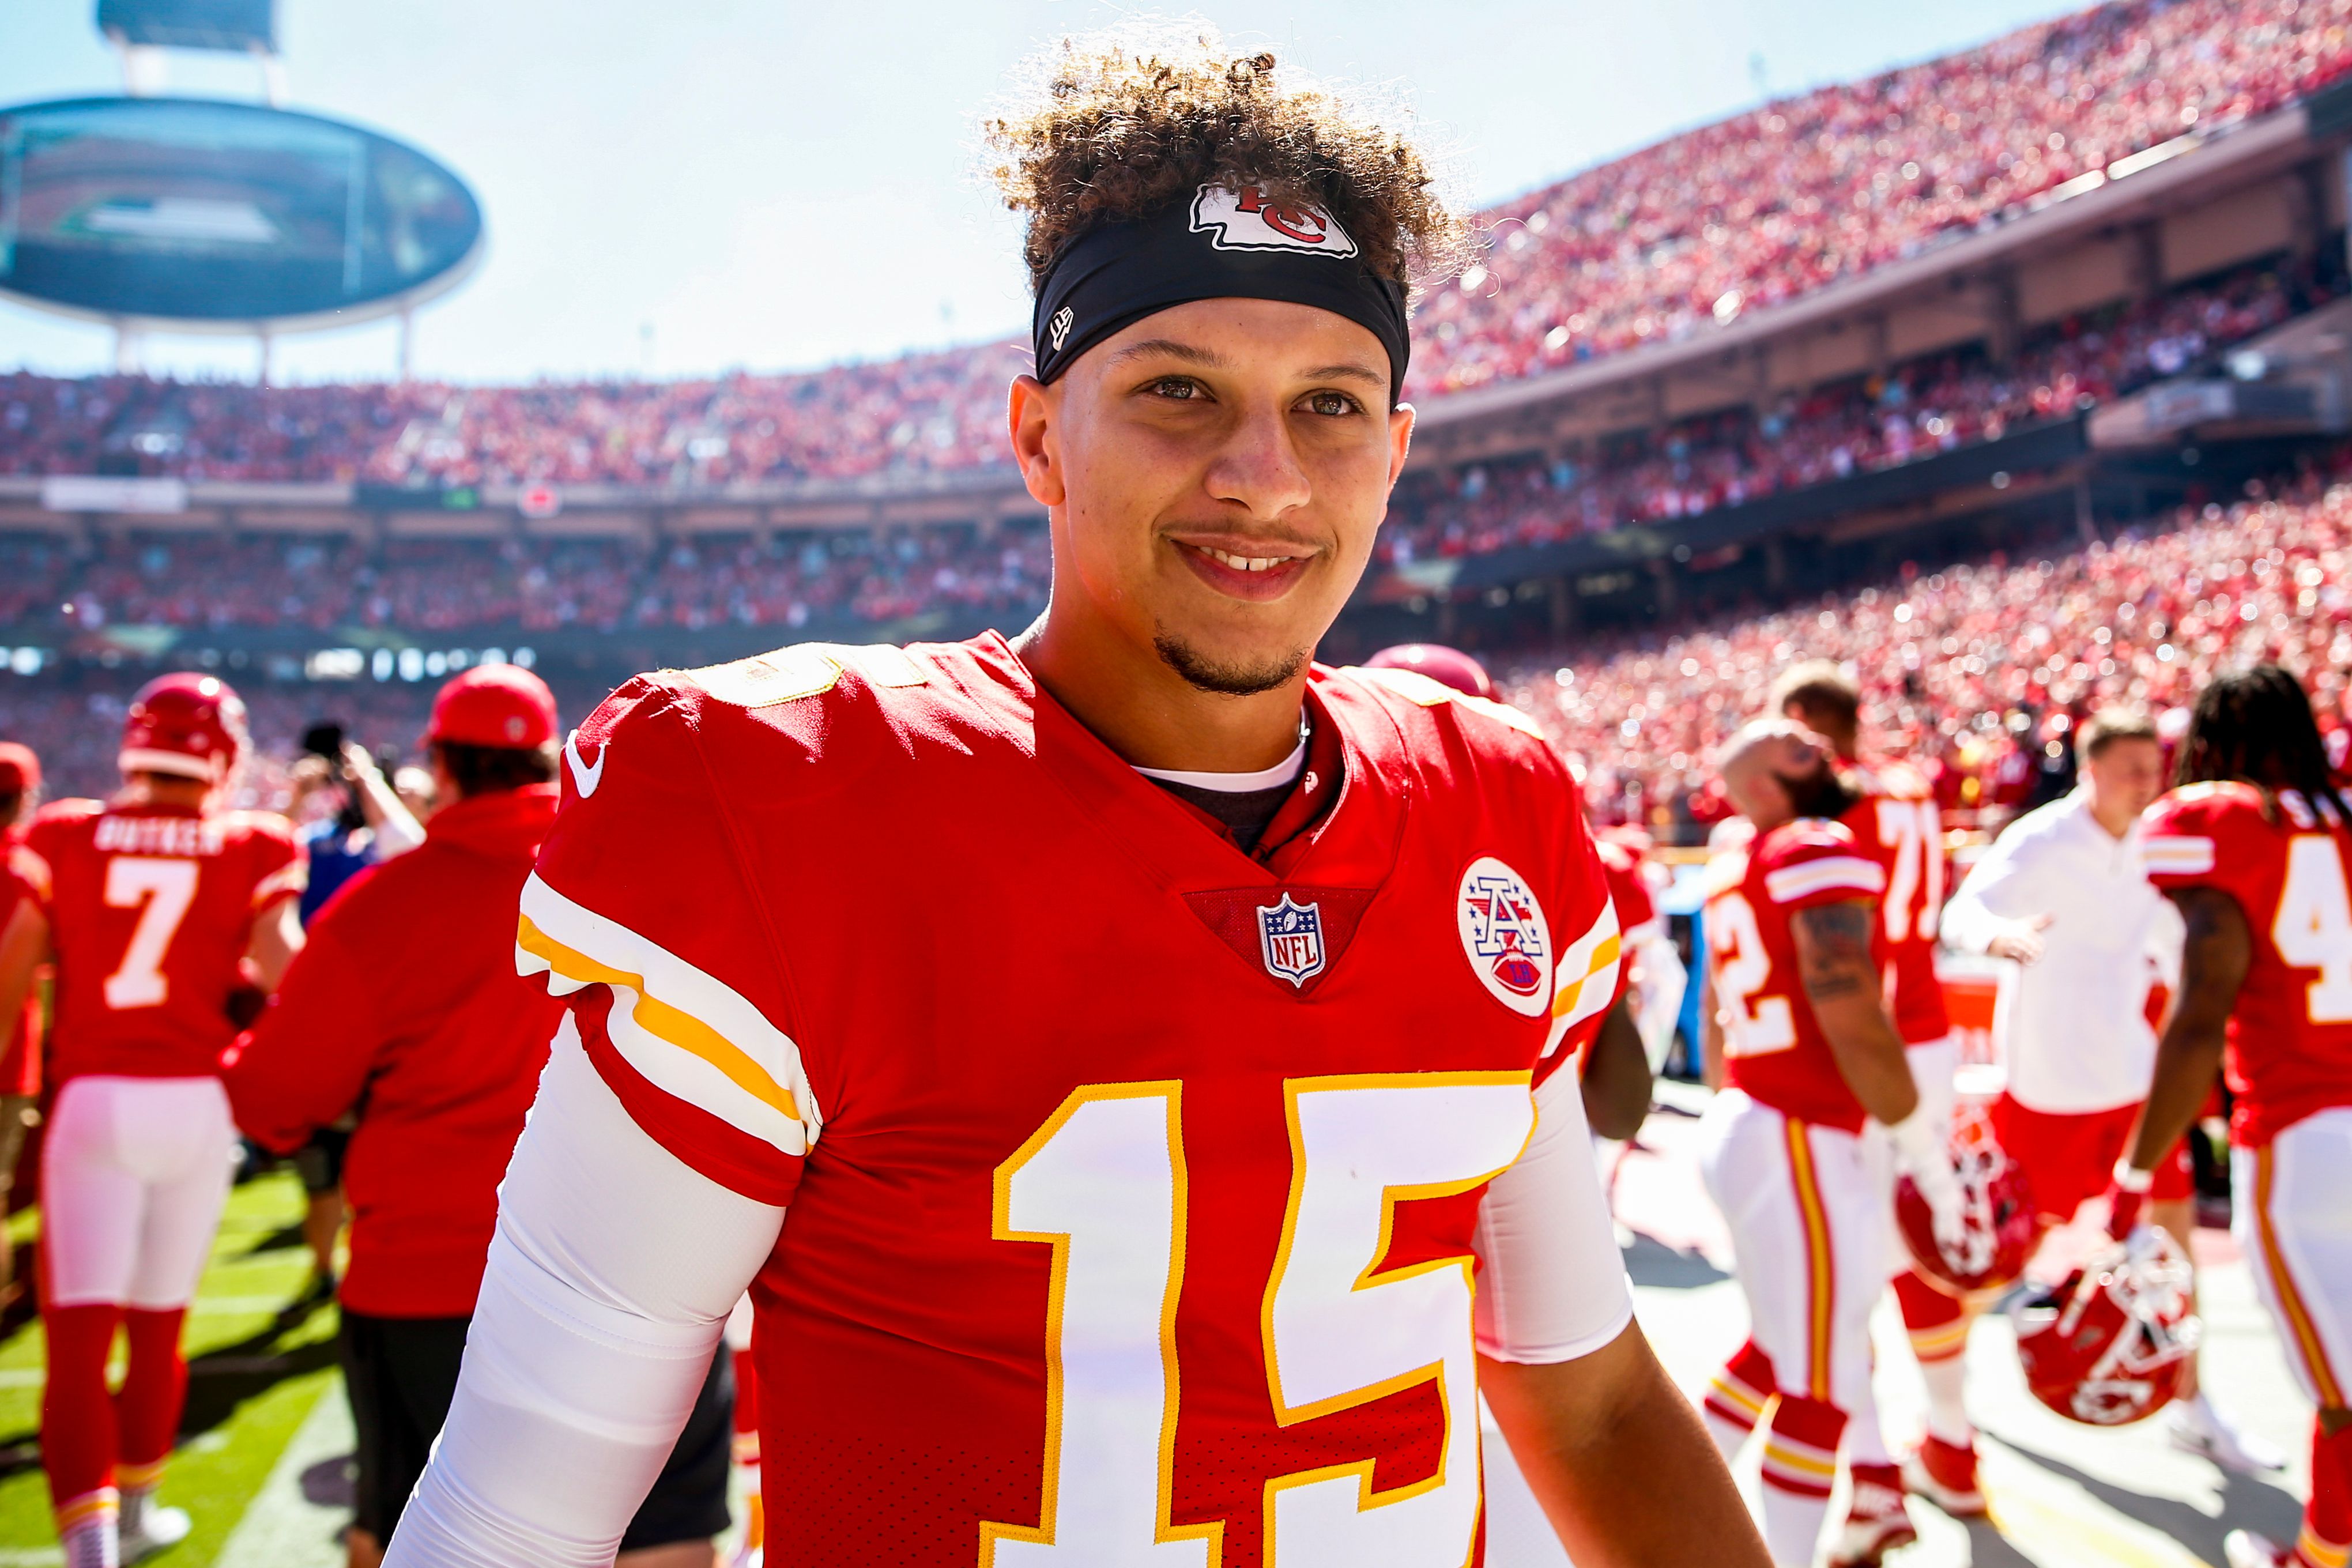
(2327, 1522)
(1743, 1389)
(747, 1398)
(78, 1420)
(1939, 1324)
(1799, 1464)
(147, 1411)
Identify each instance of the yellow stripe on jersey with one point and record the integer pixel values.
(686, 1032)
(1585, 978)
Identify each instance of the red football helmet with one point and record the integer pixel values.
(1996, 1205)
(2108, 1345)
(1447, 666)
(188, 724)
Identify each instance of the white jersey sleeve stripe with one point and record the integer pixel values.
(2181, 857)
(1844, 873)
(684, 1031)
(1586, 975)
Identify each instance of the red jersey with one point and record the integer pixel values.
(1773, 1048)
(2290, 1031)
(20, 1037)
(1637, 914)
(1132, 1180)
(1897, 825)
(403, 1002)
(151, 909)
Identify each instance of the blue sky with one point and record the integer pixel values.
(748, 182)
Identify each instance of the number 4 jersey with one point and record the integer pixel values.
(2291, 1033)
(151, 909)
(1134, 1184)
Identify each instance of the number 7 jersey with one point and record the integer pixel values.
(2290, 1032)
(151, 909)
(1133, 1184)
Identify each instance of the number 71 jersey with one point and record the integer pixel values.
(151, 910)
(2290, 1032)
(1133, 1184)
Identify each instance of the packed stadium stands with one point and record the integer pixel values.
(1762, 207)
(1924, 406)
(1977, 667)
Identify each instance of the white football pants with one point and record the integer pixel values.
(133, 1177)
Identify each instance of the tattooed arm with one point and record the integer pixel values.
(1843, 986)
(2213, 963)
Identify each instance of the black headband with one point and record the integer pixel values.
(1223, 244)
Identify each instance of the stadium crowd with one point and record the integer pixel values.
(1695, 230)
(527, 585)
(1978, 672)
(1919, 408)
(1767, 205)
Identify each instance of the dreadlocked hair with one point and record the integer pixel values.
(2254, 726)
(1113, 125)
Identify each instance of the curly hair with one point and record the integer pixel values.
(1118, 123)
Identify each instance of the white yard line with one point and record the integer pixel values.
(281, 1528)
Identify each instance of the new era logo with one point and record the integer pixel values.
(1245, 219)
(1057, 331)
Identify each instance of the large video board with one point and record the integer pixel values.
(201, 212)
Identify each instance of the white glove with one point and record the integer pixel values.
(1924, 1153)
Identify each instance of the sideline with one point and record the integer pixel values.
(284, 1527)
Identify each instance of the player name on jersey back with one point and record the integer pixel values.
(151, 911)
(188, 837)
(1026, 1050)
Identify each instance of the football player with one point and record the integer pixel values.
(2063, 894)
(1810, 1056)
(2254, 844)
(156, 906)
(1896, 822)
(1104, 1054)
(20, 1061)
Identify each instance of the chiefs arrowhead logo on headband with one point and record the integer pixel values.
(1244, 220)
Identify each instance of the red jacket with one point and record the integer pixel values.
(405, 1004)
(20, 1066)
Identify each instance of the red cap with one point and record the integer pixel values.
(19, 770)
(1448, 666)
(499, 705)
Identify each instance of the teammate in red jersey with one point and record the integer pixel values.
(1810, 1056)
(1105, 1055)
(20, 1036)
(2254, 844)
(1896, 823)
(156, 907)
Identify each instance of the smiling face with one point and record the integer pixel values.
(1216, 472)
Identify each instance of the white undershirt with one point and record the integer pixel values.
(1282, 772)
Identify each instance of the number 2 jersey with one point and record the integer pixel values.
(2290, 1032)
(1897, 823)
(1773, 1048)
(151, 909)
(1133, 1183)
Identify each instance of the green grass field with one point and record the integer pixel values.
(258, 1362)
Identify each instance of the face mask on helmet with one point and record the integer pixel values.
(2109, 1344)
(1997, 1208)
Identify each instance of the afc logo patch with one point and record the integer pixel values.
(1245, 220)
(1290, 939)
(1505, 936)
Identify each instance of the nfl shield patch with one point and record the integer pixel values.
(1290, 939)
